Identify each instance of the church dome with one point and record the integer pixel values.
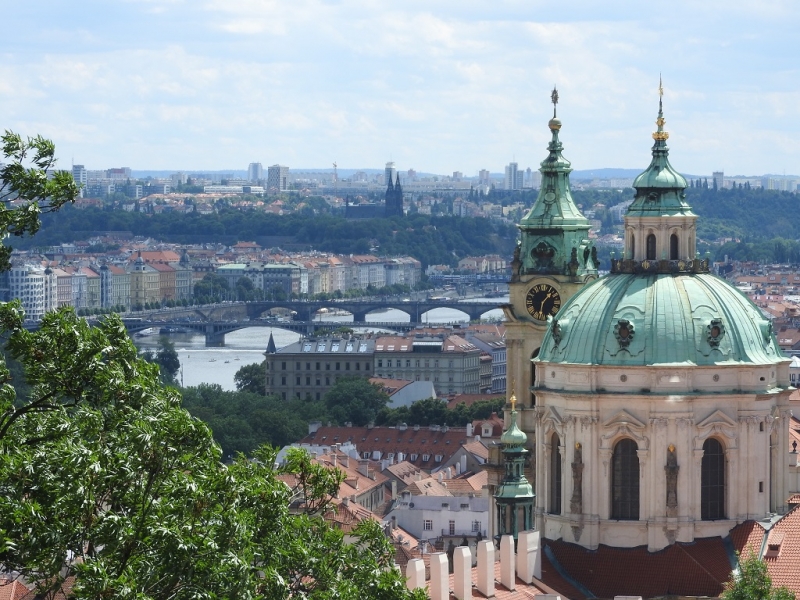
(654, 319)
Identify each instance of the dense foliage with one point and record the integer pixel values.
(242, 421)
(435, 412)
(431, 240)
(725, 214)
(108, 482)
(752, 582)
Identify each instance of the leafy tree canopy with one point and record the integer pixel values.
(354, 399)
(251, 378)
(107, 479)
(752, 582)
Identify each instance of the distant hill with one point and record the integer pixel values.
(605, 174)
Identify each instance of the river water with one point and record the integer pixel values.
(245, 346)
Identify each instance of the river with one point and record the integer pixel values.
(245, 346)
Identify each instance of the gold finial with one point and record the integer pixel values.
(513, 399)
(660, 135)
(555, 123)
(671, 448)
(554, 100)
(577, 445)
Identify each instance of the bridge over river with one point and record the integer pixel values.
(214, 321)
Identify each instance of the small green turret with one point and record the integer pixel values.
(514, 497)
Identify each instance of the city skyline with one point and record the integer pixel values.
(166, 84)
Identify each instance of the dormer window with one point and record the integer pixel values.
(774, 545)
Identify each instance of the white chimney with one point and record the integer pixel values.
(394, 489)
(440, 477)
(529, 557)
(469, 430)
(462, 570)
(415, 574)
(437, 586)
(463, 463)
(485, 552)
(507, 575)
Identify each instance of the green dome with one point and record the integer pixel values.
(660, 173)
(513, 436)
(651, 319)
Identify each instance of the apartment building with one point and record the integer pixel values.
(115, 287)
(27, 284)
(311, 366)
(145, 283)
(449, 361)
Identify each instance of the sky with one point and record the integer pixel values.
(434, 85)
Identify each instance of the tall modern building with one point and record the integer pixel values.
(389, 173)
(277, 179)
(513, 180)
(255, 172)
(719, 178)
(80, 176)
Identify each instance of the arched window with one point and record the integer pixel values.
(673, 247)
(625, 481)
(633, 247)
(712, 481)
(555, 475)
(651, 247)
(534, 354)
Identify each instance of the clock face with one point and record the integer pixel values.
(542, 301)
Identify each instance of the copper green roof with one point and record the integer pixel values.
(651, 319)
(513, 436)
(660, 188)
(554, 207)
(554, 235)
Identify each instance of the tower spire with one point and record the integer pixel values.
(670, 245)
(561, 250)
(660, 135)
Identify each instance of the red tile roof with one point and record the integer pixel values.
(697, 569)
(404, 471)
(747, 537)
(60, 591)
(784, 569)
(523, 591)
(11, 589)
(412, 443)
(470, 399)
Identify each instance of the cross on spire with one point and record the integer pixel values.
(554, 100)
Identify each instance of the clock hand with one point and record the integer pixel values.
(546, 298)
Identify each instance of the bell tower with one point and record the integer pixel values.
(554, 258)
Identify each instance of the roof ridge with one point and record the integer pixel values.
(695, 561)
(551, 556)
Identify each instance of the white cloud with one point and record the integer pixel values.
(441, 86)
